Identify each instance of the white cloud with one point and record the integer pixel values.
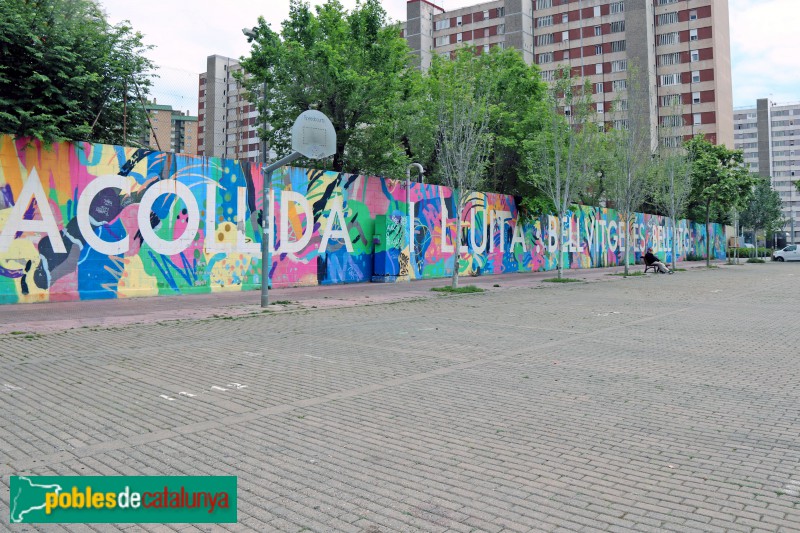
(764, 60)
(186, 33)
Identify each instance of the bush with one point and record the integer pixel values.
(693, 257)
(755, 260)
(750, 252)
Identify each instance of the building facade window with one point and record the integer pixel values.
(543, 22)
(692, 35)
(697, 118)
(620, 65)
(667, 18)
(670, 79)
(670, 100)
(618, 46)
(669, 59)
(547, 38)
(668, 38)
(671, 142)
(695, 98)
(617, 7)
(695, 76)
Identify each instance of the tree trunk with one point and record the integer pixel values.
(672, 244)
(627, 235)
(560, 245)
(708, 234)
(456, 242)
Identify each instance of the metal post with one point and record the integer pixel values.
(421, 177)
(792, 185)
(266, 217)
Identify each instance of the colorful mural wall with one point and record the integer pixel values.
(90, 221)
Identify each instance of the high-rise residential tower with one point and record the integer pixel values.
(227, 122)
(680, 48)
(769, 135)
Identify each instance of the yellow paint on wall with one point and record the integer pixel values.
(15, 258)
(227, 275)
(10, 171)
(135, 281)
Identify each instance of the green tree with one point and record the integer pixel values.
(516, 92)
(629, 174)
(673, 182)
(463, 139)
(559, 157)
(353, 66)
(66, 74)
(763, 211)
(719, 180)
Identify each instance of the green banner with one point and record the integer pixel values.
(123, 499)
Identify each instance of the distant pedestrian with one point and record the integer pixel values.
(650, 259)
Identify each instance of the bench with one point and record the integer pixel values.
(652, 266)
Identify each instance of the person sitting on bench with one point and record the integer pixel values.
(650, 260)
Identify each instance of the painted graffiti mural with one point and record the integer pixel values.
(91, 221)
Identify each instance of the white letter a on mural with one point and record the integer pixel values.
(32, 190)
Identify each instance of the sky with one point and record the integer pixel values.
(764, 62)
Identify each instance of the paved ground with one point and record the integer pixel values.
(665, 403)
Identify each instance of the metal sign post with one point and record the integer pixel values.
(313, 137)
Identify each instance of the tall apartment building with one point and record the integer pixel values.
(769, 135)
(173, 131)
(227, 122)
(681, 48)
(429, 30)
